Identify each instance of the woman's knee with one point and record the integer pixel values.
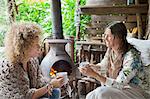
(93, 94)
(56, 94)
(99, 93)
(105, 92)
(56, 90)
(90, 95)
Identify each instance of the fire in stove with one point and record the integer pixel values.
(52, 72)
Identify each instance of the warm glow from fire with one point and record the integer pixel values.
(53, 72)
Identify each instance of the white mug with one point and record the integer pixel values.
(83, 64)
(64, 75)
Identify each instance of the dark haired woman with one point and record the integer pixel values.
(123, 64)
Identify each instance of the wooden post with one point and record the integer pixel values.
(139, 22)
(81, 87)
(77, 33)
(71, 47)
(77, 19)
(12, 8)
(148, 25)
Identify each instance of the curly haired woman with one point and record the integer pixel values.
(20, 76)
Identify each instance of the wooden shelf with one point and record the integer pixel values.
(97, 10)
(90, 43)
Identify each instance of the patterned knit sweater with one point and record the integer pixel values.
(15, 83)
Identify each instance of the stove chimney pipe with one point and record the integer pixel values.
(57, 31)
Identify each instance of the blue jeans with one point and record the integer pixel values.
(56, 93)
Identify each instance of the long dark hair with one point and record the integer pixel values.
(119, 30)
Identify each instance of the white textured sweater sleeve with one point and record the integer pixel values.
(131, 64)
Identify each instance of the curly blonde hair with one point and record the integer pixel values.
(20, 39)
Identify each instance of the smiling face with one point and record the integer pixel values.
(35, 50)
(109, 38)
(115, 37)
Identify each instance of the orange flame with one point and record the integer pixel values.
(53, 72)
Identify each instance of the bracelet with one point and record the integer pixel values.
(49, 88)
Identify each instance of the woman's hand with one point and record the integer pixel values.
(88, 71)
(57, 82)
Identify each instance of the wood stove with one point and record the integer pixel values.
(57, 58)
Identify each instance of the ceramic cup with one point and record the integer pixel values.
(83, 64)
(64, 75)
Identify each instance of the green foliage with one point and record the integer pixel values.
(38, 12)
(2, 11)
(82, 2)
(3, 21)
(84, 20)
(68, 11)
(2, 38)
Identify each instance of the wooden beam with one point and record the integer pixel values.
(143, 1)
(139, 22)
(109, 18)
(130, 9)
(77, 16)
(101, 26)
(148, 25)
(106, 2)
(132, 18)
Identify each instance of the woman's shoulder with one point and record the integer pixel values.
(33, 60)
(3, 62)
(132, 58)
(33, 64)
(5, 68)
(132, 52)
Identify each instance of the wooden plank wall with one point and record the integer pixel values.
(99, 22)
